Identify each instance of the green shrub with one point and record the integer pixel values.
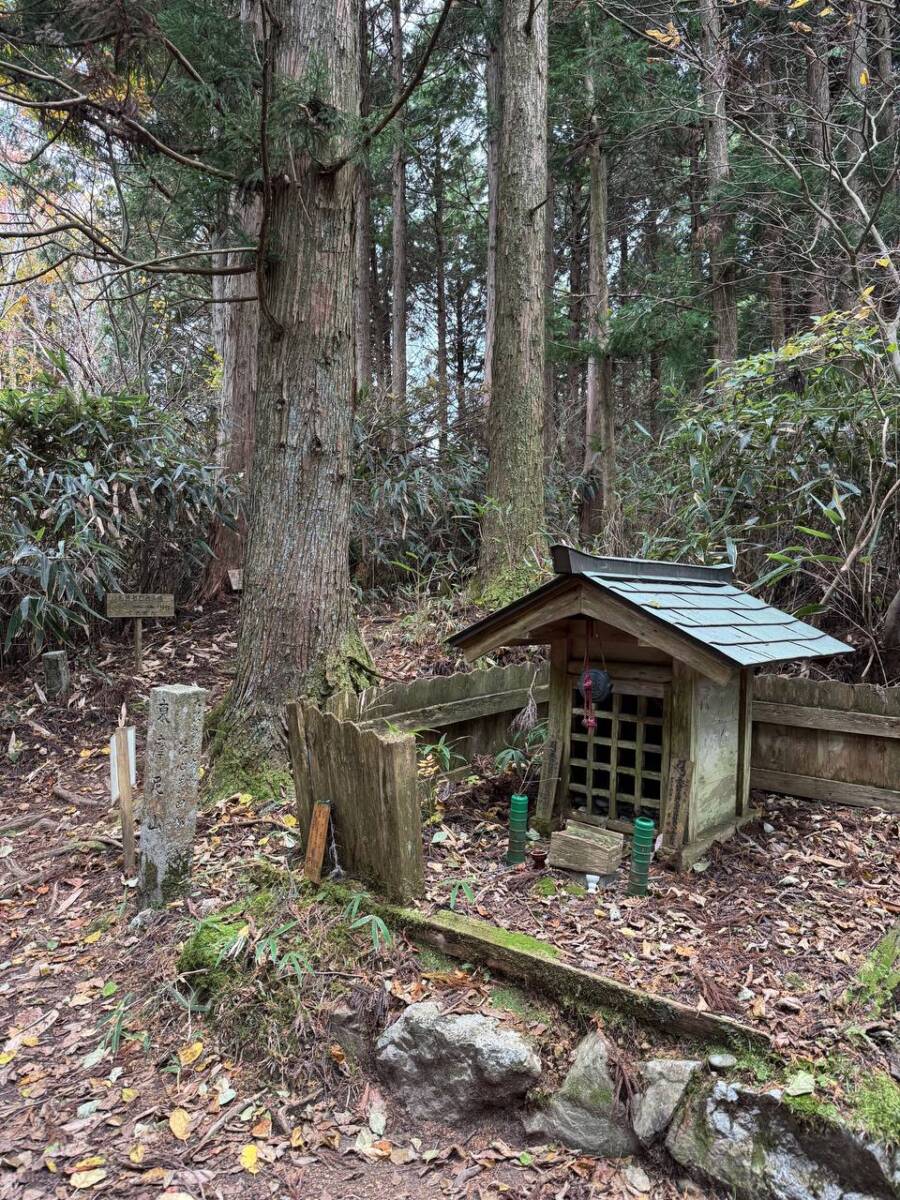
(98, 494)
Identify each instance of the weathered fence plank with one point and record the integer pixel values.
(472, 708)
(812, 787)
(369, 779)
(829, 741)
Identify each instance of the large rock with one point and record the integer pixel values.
(584, 1114)
(762, 1150)
(665, 1081)
(451, 1066)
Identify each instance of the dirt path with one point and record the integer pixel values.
(108, 1085)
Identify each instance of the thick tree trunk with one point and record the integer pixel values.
(881, 52)
(512, 530)
(773, 250)
(492, 96)
(381, 325)
(440, 285)
(818, 104)
(550, 423)
(598, 509)
(719, 224)
(239, 325)
(297, 632)
(573, 417)
(398, 238)
(363, 297)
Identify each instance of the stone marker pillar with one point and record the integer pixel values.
(171, 776)
(56, 673)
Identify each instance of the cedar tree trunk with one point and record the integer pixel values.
(719, 224)
(512, 539)
(297, 632)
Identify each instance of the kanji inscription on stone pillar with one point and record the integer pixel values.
(171, 779)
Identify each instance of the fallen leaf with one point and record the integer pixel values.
(158, 1175)
(250, 1159)
(137, 1154)
(263, 1127)
(800, 1084)
(129, 1094)
(190, 1054)
(87, 1179)
(180, 1123)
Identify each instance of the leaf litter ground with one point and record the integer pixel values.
(109, 1085)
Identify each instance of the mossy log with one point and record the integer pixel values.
(539, 965)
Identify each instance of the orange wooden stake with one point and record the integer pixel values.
(315, 843)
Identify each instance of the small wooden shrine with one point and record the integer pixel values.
(651, 685)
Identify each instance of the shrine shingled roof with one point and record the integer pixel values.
(701, 603)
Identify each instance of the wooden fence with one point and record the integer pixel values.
(825, 741)
(473, 708)
(369, 779)
(820, 740)
(836, 742)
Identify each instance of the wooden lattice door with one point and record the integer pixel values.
(617, 771)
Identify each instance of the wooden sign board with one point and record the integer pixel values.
(236, 579)
(137, 605)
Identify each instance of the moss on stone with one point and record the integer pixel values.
(813, 1108)
(589, 1095)
(879, 976)
(511, 999)
(433, 960)
(876, 1107)
(202, 957)
(575, 889)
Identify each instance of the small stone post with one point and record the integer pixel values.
(56, 673)
(171, 776)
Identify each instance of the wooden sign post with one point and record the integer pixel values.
(122, 779)
(135, 606)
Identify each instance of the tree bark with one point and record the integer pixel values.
(573, 418)
(297, 633)
(773, 253)
(598, 509)
(238, 323)
(818, 104)
(363, 295)
(719, 224)
(381, 332)
(550, 427)
(881, 54)
(493, 99)
(459, 340)
(512, 529)
(398, 238)
(440, 285)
